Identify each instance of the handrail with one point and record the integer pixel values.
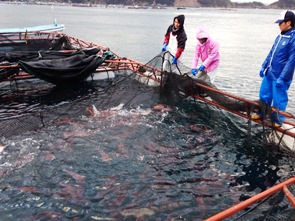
(122, 63)
(245, 204)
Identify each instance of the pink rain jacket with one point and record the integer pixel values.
(207, 52)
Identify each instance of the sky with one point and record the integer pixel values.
(262, 1)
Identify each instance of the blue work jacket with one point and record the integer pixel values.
(280, 62)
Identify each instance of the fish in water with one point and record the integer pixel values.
(2, 148)
(162, 108)
(77, 177)
(92, 110)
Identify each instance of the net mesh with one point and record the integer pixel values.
(176, 83)
(274, 208)
(44, 104)
(54, 103)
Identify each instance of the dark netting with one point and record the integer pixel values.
(48, 104)
(16, 56)
(274, 208)
(35, 44)
(282, 141)
(5, 73)
(177, 82)
(68, 70)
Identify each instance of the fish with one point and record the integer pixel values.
(162, 108)
(73, 193)
(104, 155)
(92, 110)
(2, 148)
(49, 156)
(77, 177)
(48, 215)
(30, 189)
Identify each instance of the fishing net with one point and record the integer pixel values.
(42, 104)
(34, 44)
(273, 208)
(175, 83)
(46, 104)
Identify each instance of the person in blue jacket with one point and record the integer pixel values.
(175, 38)
(278, 68)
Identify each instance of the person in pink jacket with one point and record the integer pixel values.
(207, 50)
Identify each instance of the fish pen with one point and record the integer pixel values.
(112, 80)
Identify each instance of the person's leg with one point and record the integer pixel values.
(280, 101)
(265, 95)
(266, 92)
(212, 75)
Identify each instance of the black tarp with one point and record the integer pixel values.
(69, 70)
(16, 56)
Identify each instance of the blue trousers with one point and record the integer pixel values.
(275, 96)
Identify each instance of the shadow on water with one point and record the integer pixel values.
(136, 157)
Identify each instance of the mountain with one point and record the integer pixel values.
(284, 4)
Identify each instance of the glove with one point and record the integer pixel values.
(174, 60)
(279, 83)
(202, 68)
(164, 47)
(194, 71)
(261, 73)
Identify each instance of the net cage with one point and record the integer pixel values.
(173, 83)
(48, 104)
(273, 208)
(177, 83)
(275, 203)
(15, 48)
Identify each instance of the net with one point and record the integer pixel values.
(276, 207)
(48, 104)
(175, 83)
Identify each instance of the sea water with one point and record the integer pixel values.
(181, 162)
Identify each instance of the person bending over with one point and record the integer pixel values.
(207, 50)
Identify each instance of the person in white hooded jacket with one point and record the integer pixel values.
(207, 50)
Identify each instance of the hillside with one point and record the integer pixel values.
(290, 4)
(283, 4)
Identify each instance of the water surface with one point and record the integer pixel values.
(132, 161)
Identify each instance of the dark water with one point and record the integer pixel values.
(131, 160)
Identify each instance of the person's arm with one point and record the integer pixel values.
(288, 71)
(167, 36)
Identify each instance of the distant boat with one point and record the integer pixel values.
(137, 7)
(55, 27)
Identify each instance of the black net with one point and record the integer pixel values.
(178, 83)
(37, 104)
(274, 208)
(12, 43)
(175, 82)
(33, 104)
